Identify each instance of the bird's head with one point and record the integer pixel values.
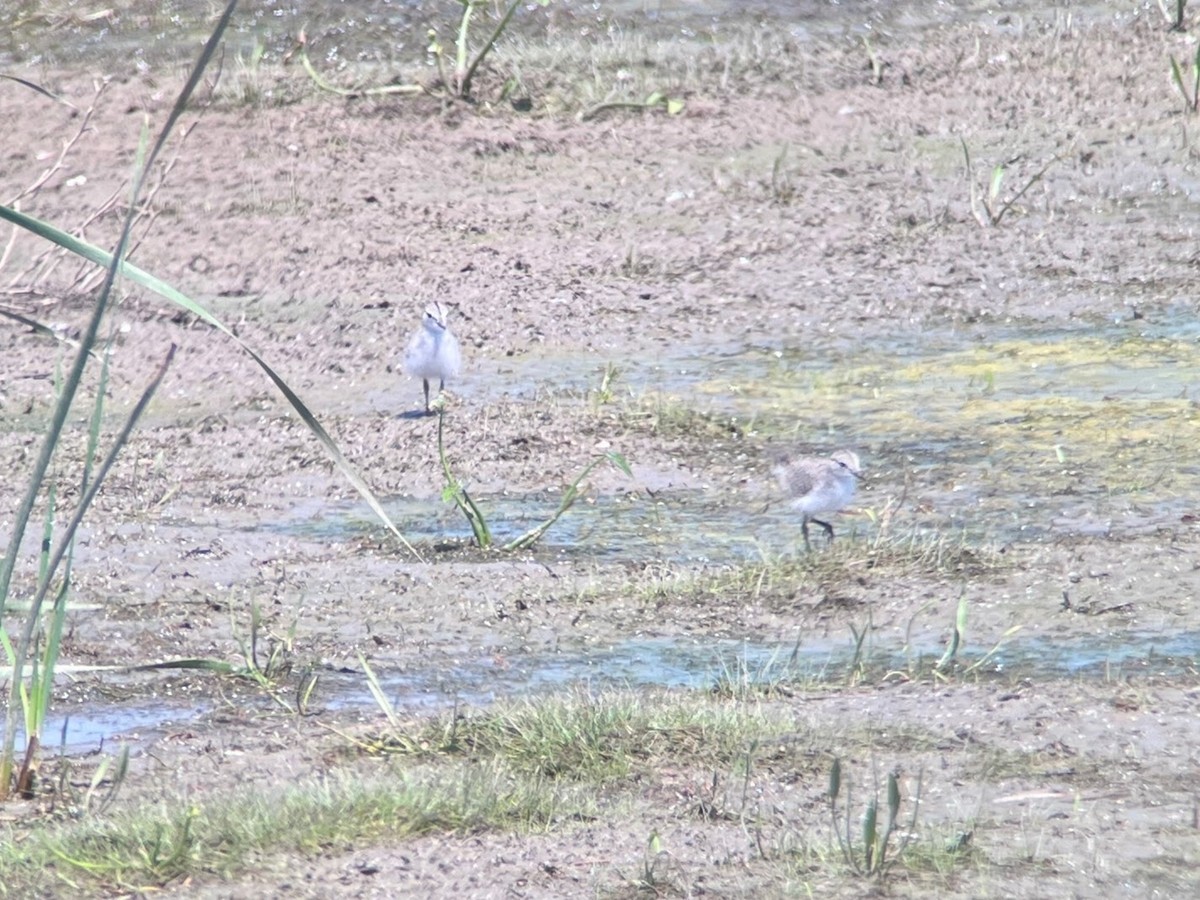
(435, 317)
(848, 460)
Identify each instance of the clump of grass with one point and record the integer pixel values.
(888, 552)
(520, 766)
(926, 550)
(776, 676)
(523, 766)
(606, 392)
(155, 845)
(665, 416)
(782, 189)
(580, 736)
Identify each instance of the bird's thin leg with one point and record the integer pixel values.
(425, 381)
(804, 531)
(828, 528)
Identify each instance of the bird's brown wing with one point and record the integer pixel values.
(794, 481)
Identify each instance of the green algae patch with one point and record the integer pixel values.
(999, 431)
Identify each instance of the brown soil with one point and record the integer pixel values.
(318, 230)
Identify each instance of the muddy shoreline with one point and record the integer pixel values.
(799, 259)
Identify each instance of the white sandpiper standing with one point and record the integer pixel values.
(818, 485)
(432, 351)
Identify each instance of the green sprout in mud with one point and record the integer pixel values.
(456, 492)
(875, 856)
(1189, 85)
(958, 635)
(876, 62)
(988, 207)
(782, 190)
(651, 880)
(606, 393)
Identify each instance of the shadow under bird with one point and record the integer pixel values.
(433, 351)
(818, 486)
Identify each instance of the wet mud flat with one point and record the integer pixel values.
(795, 261)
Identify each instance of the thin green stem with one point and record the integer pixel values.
(479, 527)
(468, 77)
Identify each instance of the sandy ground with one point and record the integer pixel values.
(319, 228)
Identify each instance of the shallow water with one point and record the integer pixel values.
(89, 729)
(1001, 431)
(150, 34)
(678, 526)
(664, 663)
(1022, 432)
(996, 434)
(684, 663)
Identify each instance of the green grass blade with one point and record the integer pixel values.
(1177, 77)
(217, 666)
(533, 535)
(324, 85)
(47, 533)
(994, 185)
(1196, 80)
(381, 698)
(869, 834)
(37, 327)
(150, 282)
(37, 87)
(570, 495)
(956, 639)
(456, 492)
(620, 462)
(986, 658)
(893, 799)
(93, 441)
(41, 688)
(28, 703)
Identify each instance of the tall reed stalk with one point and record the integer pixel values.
(33, 696)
